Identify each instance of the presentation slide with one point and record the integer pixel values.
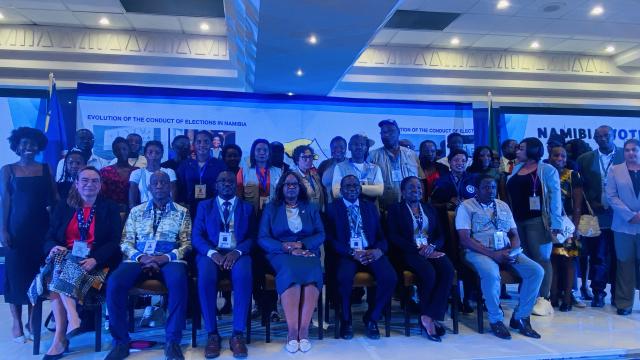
(161, 114)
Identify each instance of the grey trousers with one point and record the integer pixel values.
(628, 268)
(536, 243)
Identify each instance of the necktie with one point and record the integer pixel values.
(353, 218)
(511, 163)
(226, 210)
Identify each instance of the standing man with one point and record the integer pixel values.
(277, 156)
(223, 233)
(181, 147)
(84, 142)
(356, 237)
(508, 159)
(455, 141)
(156, 237)
(396, 162)
(338, 146)
(368, 174)
(594, 167)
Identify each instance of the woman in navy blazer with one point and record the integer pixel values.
(414, 232)
(103, 234)
(291, 233)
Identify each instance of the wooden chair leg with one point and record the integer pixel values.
(455, 314)
(480, 315)
(320, 316)
(36, 326)
(130, 310)
(406, 296)
(195, 322)
(387, 320)
(336, 311)
(267, 324)
(97, 318)
(249, 324)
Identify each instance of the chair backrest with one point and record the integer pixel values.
(454, 252)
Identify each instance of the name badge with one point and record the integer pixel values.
(500, 240)
(534, 203)
(224, 240)
(150, 246)
(201, 191)
(264, 200)
(80, 249)
(356, 243)
(421, 240)
(396, 175)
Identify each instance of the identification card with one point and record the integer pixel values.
(80, 249)
(201, 191)
(421, 240)
(499, 240)
(356, 243)
(264, 200)
(396, 175)
(224, 240)
(534, 203)
(150, 246)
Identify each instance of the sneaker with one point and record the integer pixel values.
(542, 307)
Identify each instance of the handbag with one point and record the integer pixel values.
(589, 225)
(568, 228)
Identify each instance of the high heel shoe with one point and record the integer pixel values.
(60, 355)
(440, 330)
(426, 334)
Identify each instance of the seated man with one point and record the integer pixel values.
(155, 240)
(356, 237)
(489, 236)
(224, 231)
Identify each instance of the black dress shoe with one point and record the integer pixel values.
(466, 308)
(119, 352)
(440, 330)
(172, 351)
(586, 294)
(426, 334)
(524, 327)
(598, 299)
(372, 330)
(346, 330)
(564, 307)
(623, 312)
(500, 330)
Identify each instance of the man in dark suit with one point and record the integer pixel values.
(223, 233)
(355, 234)
(594, 167)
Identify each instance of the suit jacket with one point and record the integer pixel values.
(589, 168)
(108, 230)
(206, 226)
(623, 200)
(400, 228)
(274, 228)
(339, 234)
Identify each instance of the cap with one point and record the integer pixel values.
(388, 122)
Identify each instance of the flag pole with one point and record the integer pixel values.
(52, 80)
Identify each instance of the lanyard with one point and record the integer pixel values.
(419, 220)
(262, 180)
(203, 169)
(605, 170)
(361, 175)
(355, 220)
(494, 217)
(83, 226)
(157, 220)
(534, 179)
(309, 179)
(227, 220)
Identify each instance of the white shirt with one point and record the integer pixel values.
(142, 177)
(348, 204)
(221, 202)
(463, 218)
(139, 162)
(94, 161)
(445, 161)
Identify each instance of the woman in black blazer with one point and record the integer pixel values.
(416, 236)
(88, 227)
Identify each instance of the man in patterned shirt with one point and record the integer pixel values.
(155, 240)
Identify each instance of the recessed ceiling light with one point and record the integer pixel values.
(69, 102)
(290, 93)
(299, 72)
(503, 4)
(204, 26)
(597, 10)
(455, 41)
(534, 45)
(104, 21)
(610, 49)
(312, 39)
(1, 15)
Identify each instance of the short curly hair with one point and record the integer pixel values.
(29, 133)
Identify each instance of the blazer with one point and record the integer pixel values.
(274, 228)
(206, 226)
(589, 168)
(339, 234)
(108, 230)
(400, 228)
(623, 199)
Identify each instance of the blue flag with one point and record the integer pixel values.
(53, 126)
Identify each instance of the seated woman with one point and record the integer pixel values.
(291, 234)
(414, 232)
(84, 234)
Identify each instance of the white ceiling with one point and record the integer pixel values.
(87, 13)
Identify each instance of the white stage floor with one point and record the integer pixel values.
(581, 333)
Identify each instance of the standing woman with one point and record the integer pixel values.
(482, 163)
(27, 189)
(291, 233)
(115, 178)
(533, 190)
(88, 226)
(414, 232)
(303, 158)
(259, 179)
(231, 156)
(73, 162)
(431, 169)
(623, 191)
(140, 179)
(563, 255)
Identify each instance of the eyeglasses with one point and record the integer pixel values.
(291, 185)
(306, 157)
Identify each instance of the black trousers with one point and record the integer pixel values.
(435, 278)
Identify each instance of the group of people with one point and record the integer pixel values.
(382, 211)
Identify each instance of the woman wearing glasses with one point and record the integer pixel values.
(303, 158)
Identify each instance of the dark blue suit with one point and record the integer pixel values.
(205, 236)
(338, 237)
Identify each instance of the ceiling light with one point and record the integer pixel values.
(104, 21)
(204, 26)
(455, 41)
(312, 39)
(290, 93)
(1, 15)
(597, 10)
(503, 4)
(610, 49)
(299, 72)
(534, 45)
